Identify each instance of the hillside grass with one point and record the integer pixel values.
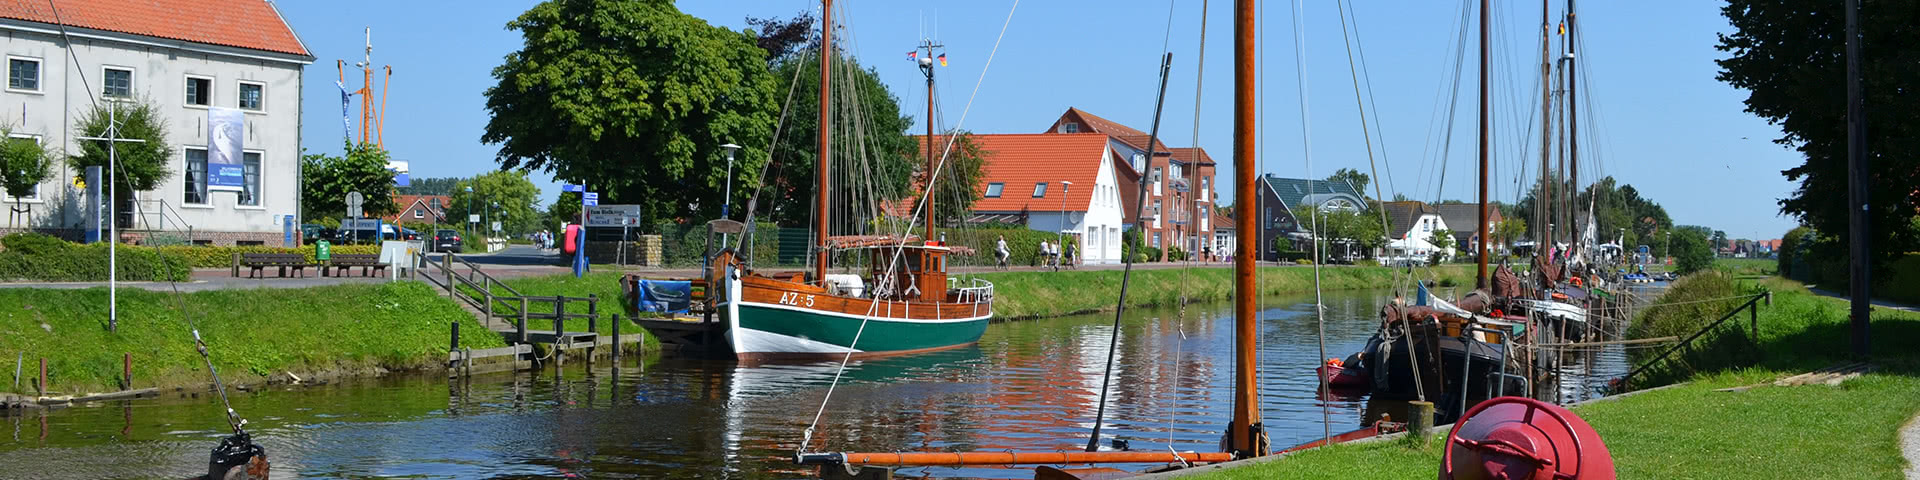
(1022, 295)
(251, 334)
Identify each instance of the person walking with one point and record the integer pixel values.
(1000, 251)
(1040, 256)
(1068, 251)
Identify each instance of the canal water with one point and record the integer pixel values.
(1029, 385)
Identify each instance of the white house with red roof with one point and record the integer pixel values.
(182, 56)
(1056, 183)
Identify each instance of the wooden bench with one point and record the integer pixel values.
(343, 263)
(257, 261)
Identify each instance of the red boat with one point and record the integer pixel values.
(1343, 379)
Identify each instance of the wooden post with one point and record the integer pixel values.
(1421, 419)
(522, 327)
(559, 328)
(1753, 320)
(616, 340)
(126, 371)
(42, 388)
(454, 345)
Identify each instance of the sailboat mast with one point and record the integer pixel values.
(1573, 121)
(1543, 204)
(1243, 437)
(820, 195)
(1480, 227)
(927, 64)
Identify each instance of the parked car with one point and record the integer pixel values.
(314, 232)
(446, 240)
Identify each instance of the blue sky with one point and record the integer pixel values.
(1659, 120)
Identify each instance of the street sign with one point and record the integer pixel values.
(613, 215)
(496, 226)
(354, 199)
(360, 224)
(473, 218)
(573, 188)
(590, 199)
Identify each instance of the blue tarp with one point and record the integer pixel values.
(663, 296)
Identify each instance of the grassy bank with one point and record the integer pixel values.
(1692, 431)
(252, 333)
(1019, 295)
(603, 283)
(1688, 432)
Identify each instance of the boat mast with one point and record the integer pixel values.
(1244, 435)
(1573, 124)
(820, 162)
(1480, 229)
(926, 65)
(1543, 203)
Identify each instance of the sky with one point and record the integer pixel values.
(1652, 114)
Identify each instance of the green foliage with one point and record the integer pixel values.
(253, 333)
(326, 180)
(1688, 305)
(428, 186)
(1176, 254)
(1789, 57)
(1362, 228)
(513, 197)
(36, 257)
(1022, 295)
(563, 210)
(634, 99)
(890, 156)
(143, 165)
(961, 181)
(1351, 176)
(1616, 206)
(1690, 251)
(24, 163)
(1790, 246)
(208, 256)
(1282, 244)
(1508, 230)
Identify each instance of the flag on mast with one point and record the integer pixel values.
(943, 59)
(912, 55)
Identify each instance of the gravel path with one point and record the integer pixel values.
(1910, 444)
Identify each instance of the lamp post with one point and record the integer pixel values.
(495, 206)
(1061, 236)
(471, 227)
(726, 203)
(113, 213)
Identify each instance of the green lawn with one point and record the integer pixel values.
(251, 333)
(1692, 431)
(1020, 295)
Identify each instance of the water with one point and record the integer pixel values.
(1029, 385)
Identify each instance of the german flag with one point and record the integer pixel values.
(943, 59)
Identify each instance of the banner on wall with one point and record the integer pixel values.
(226, 170)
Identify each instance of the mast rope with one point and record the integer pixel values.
(1180, 320)
(899, 249)
(1306, 146)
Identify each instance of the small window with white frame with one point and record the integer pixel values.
(250, 168)
(253, 96)
(35, 195)
(419, 213)
(23, 74)
(199, 91)
(116, 82)
(196, 176)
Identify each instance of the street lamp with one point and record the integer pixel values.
(1061, 236)
(726, 203)
(471, 227)
(495, 206)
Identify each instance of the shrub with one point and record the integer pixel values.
(1789, 250)
(1303, 261)
(1688, 305)
(203, 256)
(85, 263)
(1176, 254)
(34, 243)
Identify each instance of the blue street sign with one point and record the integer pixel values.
(568, 187)
(590, 199)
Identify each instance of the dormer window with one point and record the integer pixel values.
(1070, 127)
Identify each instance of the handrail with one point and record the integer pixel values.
(1752, 303)
(163, 212)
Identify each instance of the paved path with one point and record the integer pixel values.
(1910, 445)
(1877, 303)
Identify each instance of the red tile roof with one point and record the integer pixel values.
(1095, 124)
(251, 24)
(1017, 161)
(1193, 155)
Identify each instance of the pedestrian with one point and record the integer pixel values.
(1068, 252)
(1000, 251)
(1040, 256)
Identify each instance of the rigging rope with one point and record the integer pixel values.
(1200, 70)
(899, 248)
(1306, 146)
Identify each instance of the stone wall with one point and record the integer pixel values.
(645, 251)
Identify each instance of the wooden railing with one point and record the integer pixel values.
(502, 302)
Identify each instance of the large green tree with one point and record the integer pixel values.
(507, 197)
(1691, 253)
(1788, 56)
(143, 165)
(633, 98)
(326, 180)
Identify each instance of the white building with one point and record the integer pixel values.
(181, 56)
(1416, 226)
(1063, 183)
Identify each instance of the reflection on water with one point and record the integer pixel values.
(1028, 385)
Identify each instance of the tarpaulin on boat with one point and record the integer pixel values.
(664, 296)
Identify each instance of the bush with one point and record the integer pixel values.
(1176, 254)
(1303, 261)
(34, 243)
(206, 256)
(88, 263)
(1790, 245)
(1688, 305)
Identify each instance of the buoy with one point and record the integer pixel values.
(1518, 438)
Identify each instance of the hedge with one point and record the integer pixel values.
(37, 257)
(221, 257)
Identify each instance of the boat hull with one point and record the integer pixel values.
(811, 326)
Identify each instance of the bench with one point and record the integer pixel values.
(343, 263)
(255, 262)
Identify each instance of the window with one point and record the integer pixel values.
(250, 194)
(23, 74)
(117, 82)
(418, 213)
(253, 95)
(199, 91)
(993, 189)
(35, 195)
(1070, 127)
(196, 179)
(1039, 189)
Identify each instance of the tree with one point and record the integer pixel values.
(1351, 176)
(24, 163)
(516, 197)
(1508, 230)
(563, 210)
(326, 181)
(784, 38)
(1282, 244)
(1788, 55)
(633, 99)
(142, 165)
(960, 182)
(429, 186)
(1691, 252)
(875, 167)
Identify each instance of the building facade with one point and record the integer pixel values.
(1066, 184)
(1279, 197)
(1179, 184)
(176, 57)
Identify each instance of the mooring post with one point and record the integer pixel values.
(1421, 423)
(559, 328)
(616, 340)
(126, 371)
(521, 329)
(454, 343)
(42, 388)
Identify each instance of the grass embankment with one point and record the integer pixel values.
(603, 283)
(1692, 431)
(1020, 295)
(252, 334)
